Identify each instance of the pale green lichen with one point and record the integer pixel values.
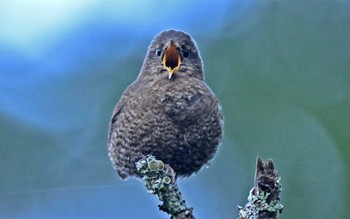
(158, 180)
(167, 180)
(258, 203)
(160, 165)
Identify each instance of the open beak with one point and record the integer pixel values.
(171, 59)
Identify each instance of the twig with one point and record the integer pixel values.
(160, 179)
(263, 199)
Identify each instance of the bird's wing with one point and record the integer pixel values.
(117, 110)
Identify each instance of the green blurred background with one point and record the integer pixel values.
(281, 70)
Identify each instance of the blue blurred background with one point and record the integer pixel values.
(281, 70)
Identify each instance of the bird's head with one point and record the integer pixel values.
(173, 54)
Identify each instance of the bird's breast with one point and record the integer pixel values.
(181, 100)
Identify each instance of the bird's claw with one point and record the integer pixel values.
(170, 172)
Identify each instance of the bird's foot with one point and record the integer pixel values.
(170, 172)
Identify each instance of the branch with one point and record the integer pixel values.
(160, 179)
(263, 199)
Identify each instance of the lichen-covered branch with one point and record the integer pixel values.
(263, 199)
(160, 179)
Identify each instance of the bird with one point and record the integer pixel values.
(168, 111)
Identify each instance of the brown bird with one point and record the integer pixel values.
(169, 111)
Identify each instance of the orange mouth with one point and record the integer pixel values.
(172, 59)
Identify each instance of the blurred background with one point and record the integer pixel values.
(281, 70)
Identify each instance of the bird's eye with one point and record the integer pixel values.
(185, 53)
(158, 52)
